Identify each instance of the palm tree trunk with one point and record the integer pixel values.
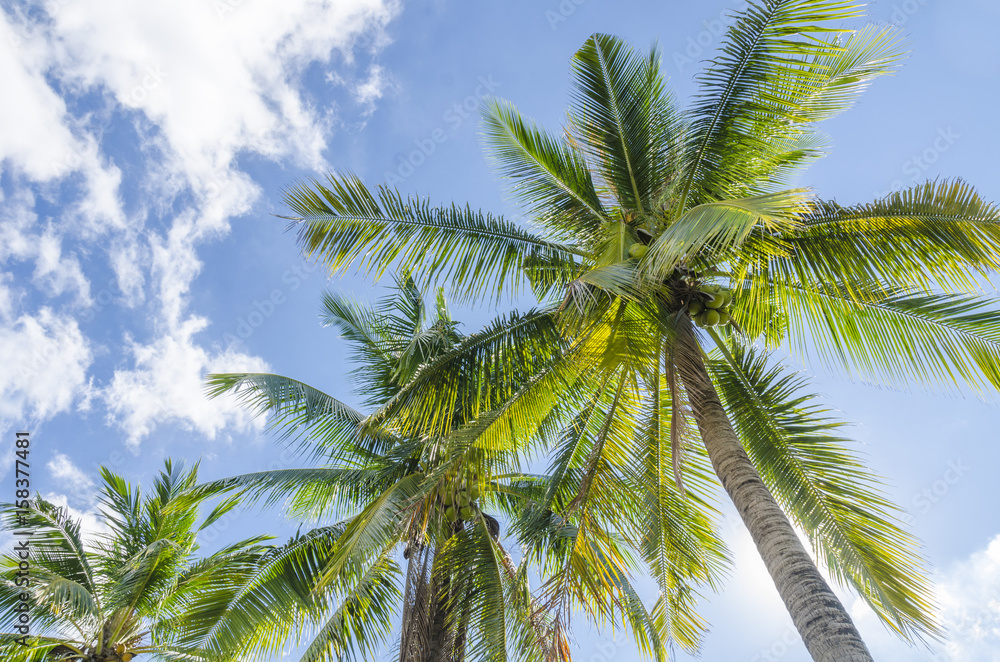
(824, 625)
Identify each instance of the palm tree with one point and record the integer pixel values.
(441, 499)
(653, 221)
(127, 593)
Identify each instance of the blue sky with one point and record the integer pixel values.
(144, 147)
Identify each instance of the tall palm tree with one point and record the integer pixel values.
(122, 594)
(654, 221)
(441, 498)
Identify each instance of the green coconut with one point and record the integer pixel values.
(474, 492)
(450, 514)
(447, 498)
(729, 296)
(637, 250)
(695, 307)
(712, 317)
(718, 301)
(464, 500)
(467, 512)
(724, 317)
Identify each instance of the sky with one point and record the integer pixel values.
(143, 151)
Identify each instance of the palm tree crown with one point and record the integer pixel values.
(128, 592)
(654, 220)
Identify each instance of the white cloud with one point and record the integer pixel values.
(58, 273)
(201, 83)
(167, 385)
(39, 137)
(969, 595)
(73, 479)
(91, 523)
(45, 359)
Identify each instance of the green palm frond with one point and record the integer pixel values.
(259, 606)
(938, 234)
(363, 620)
(625, 119)
(899, 337)
(476, 375)
(723, 226)
(378, 526)
(676, 533)
(312, 490)
(548, 176)
(826, 488)
(344, 224)
(772, 48)
(325, 425)
(56, 542)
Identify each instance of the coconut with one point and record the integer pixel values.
(464, 500)
(724, 317)
(450, 514)
(695, 307)
(447, 498)
(474, 492)
(637, 250)
(467, 512)
(711, 317)
(718, 301)
(729, 296)
(127, 657)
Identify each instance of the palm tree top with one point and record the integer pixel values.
(645, 216)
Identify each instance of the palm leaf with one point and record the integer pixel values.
(898, 337)
(344, 224)
(772, 46)
(548, 176)
(826, 488)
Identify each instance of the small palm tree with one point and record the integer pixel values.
(125, 593)
(655, 221)
(441, 499)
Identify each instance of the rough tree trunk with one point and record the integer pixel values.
(823, 623)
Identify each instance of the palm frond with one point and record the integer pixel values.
(938, 234)
(548, 176)
(773, 47)
(720, 227)
(624, 118)
(342, 223)
(897, 337)
(319, 422)
(826, 488)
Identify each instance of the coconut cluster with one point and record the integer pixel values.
(713, 308)
(638, 250)
(459, 499)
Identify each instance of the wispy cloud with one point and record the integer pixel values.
(184, 88)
